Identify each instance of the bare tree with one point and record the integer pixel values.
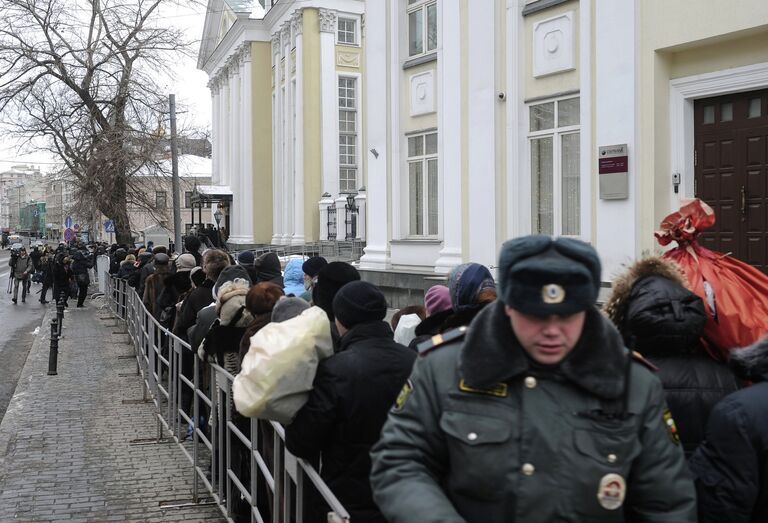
(82, 75)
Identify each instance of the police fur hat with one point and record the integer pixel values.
(540, 275)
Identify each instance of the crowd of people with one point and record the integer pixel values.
(490, 401)
(64, 269)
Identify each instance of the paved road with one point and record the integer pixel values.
(17, 323)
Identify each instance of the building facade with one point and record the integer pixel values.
(286, 86)
(594, 118)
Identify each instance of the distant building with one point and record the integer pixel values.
(20, 186)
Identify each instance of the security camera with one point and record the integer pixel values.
(502, 96)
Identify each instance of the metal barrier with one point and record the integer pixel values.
(242, 463)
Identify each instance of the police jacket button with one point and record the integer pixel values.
(472, 436)
(530, 382)
(612, 458)
(528, 469)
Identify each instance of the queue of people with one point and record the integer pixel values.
(509, 400)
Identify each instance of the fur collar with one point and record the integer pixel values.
(616, 306)
(492, 354)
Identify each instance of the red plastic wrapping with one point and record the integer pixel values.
(738, 290)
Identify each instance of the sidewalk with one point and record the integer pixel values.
(65, 441)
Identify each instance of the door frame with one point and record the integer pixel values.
(682, 92)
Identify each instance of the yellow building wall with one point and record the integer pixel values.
(310, 77)
(422, 121)
(261, 147)
(680, 39)
(557, 82)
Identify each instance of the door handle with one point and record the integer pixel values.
(743, 203)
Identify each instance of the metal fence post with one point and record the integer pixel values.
(60, 315)
(53, 354)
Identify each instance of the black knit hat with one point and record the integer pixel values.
(359, 302)
(330, 279)
(231, 273)
(539, 275)
(313, 265)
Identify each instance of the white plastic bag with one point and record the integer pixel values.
(278, 371)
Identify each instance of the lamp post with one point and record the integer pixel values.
(217, 216)
(351, 221)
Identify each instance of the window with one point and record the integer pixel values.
(187, 199)
(422, 184)
(347, 135)
(161, 199)
(346, 33)
(555, 155)
(422, 26)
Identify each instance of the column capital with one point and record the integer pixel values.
(276, 43)
(244, 52)
(327, 20)
(297, 22)
(285, 33)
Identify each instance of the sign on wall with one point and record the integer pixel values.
(613, 170)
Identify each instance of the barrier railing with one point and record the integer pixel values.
(242, 463)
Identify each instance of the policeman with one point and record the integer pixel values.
(536, 413)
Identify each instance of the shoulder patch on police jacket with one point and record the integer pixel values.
(636, 356)
(500, 390)
(440, 340)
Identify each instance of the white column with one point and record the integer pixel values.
(285, 43)
(277, 133)
(243, 195)
(298, 154)
(376, 106)
(360, 203)
(481, 124)
(329, 97)
(615, 123)
(224, 117)
(449, 126)
(215, 131)
(235, 174)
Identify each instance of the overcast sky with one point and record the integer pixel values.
(189, 85)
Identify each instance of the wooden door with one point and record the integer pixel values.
(731, 173)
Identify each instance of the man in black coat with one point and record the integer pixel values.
(352, 394)
(731, 466)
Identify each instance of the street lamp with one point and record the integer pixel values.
(351, 220)
(217, 216)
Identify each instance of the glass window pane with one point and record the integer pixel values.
(416, 32)
(432, 196)
(542, 116)
(541, 186)
(570, 184)
(709, 114)
(726, 112)
(432, 27)
(416, 145)
(431, 145)
(568, 112)
(755, 107)
(415, 197)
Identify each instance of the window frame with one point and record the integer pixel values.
(164, 198)
(423, 6)
(424, 159)
(355, 19)
(346, 134)
(556, 133)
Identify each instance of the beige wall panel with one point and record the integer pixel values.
(424, 121)
(556, 82)
(313, 129)
(261, 150)
(726, 54)
(348, 58)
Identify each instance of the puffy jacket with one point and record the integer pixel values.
(293, 278)
(731, 466)
(659, 317)
(353, 391)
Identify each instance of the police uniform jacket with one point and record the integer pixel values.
(482, 434)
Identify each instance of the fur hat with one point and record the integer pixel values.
(330, 279)
(262, 297)
(231, 273)
(313, 265)
(287, 308)
(541, 276)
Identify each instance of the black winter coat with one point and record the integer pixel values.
(731, 466)
(693, 385)
(352, 394)
(195, 301)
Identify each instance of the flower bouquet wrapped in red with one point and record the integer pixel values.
(735, 294)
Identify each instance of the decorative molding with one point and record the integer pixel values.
(553, 45)
(244, 52)
(285, 33)
(347, 59)
(275, 44)
(424, 59)
(540, 5)
(328, 19)
(297, 22)
(422, 93)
